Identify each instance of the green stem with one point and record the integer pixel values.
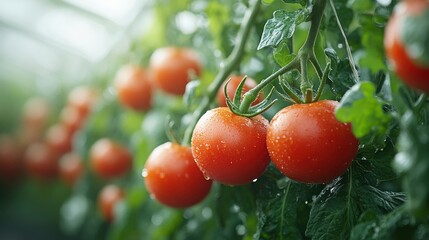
(322, 83)
(316, 19)
(252, 94)
(225, 70)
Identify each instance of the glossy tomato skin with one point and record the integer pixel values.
(232, 87)
(308, 144)
(171, 66)
(411, 72)
(134, 87)
(41, 160)
(109, 196)
(173, 178)
(10, 159)
(229, 148)
(110, 159)
(70, 168)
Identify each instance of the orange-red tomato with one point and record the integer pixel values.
(232, 87)
(110, 159)
(41, 160)
(109, 196)
(60, 138)
(36, 113)
(10, 159)
(134, 87)
(173, 178)
(408, 69)
(71, 118)
(71, 168)
(230, 149)
(171, 68)
(308, 144)
(83, 98)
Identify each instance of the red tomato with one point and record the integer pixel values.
(10, 159)
(134, 88)
(232, 87)
(71, 118)
(229, 148)
(109, 196)
(36, 113)
(60, 138)
(171, 67)
(308, 144)
(110, 159)
(71, 168)
(411, 72)
(83, 98)
(41, 160)
(173, 178)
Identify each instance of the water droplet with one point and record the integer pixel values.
(306, 202)
(235, 208)
(241, 230)
(207, 213)
(255, 180)
(144, 173)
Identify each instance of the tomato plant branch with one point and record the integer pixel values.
(349, 52)
(225, 69)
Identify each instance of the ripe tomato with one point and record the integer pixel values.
(10, 159)
(71, 118)
(110, 159)
(232, 87)
(411, 72)
(108, 197)
(134, 88)
(83, 98)
(308, 144)
(41, 160)
(71, 168)
(173, 178)
(60, 138)
(171, 67)
(36, 113)
(229, 148)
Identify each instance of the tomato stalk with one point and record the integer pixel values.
(305, 54)
(226, 68)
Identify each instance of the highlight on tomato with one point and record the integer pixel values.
(110, 159)
(109, 196)
(134, 88)
(230, 149)
(234, 81)
(172, 177)
(308, 144)
(171, 68)
(41, 160)
(407, 67)
(71, 168)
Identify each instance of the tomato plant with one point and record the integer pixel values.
(41, 160)
(233, 83)
(230, 149)
(83, 98)
(109, 197)
(172, 177)
(70, 168)
(171, 68)
(110, 159)
(60, 138)
(408, 68)
(10, 159)
(308, 144)
(134, 88)
(71, 118)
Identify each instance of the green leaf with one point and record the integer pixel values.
(339, 206)
(364, 110)
(371, 53)
(282, 206)
(302, 2)
(414, 34)
(341, 76)
(281, 27)
(412, 162)
(282, 54)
